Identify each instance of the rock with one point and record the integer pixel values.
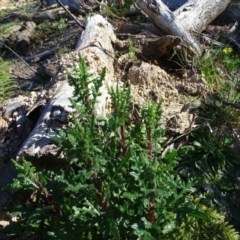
(180, 122)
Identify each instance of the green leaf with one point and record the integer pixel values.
(114, 229)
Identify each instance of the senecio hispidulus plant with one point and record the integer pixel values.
(116, 185)
(7, 84)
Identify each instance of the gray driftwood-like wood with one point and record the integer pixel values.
(96, 48)
(160, 14)
(196, 15)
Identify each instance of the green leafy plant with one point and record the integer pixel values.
(211, 151)
(132, 51)
(53, 29)
(120, 8)
(6, 28)
(217, 64)
(115, 186)
(200, 229)
(7, 84)
(5, 11)
(220, 67)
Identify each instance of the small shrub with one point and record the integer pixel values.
(116, 185)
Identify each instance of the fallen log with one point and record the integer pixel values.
(96, 48)
(192, 16)
(160, 14)
(196, 15)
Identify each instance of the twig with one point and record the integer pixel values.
(71, 14)
(43, 55)
(18, 56)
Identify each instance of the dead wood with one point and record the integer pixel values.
(159, 13)
(196, 15)
(41, 56)
(96, 48)
(49, 15)
(39, 17)
(71, 15)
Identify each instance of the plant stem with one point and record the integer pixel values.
(123, 144)
(149, 142)
(102, 202)
(152, 200)
(151, 210)
(49, 198)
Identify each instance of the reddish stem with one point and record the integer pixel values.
(49, 198)
(102, 202)
(123, 144)
(149, 142)
(151, 210)
(151, 200)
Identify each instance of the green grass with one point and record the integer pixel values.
(220, 67)
(5, 28)
(7, 84)
(5, 11)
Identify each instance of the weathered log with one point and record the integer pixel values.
(192, 16)
(229, 15)
(166, 20)
(96, 48)
(196, 15)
